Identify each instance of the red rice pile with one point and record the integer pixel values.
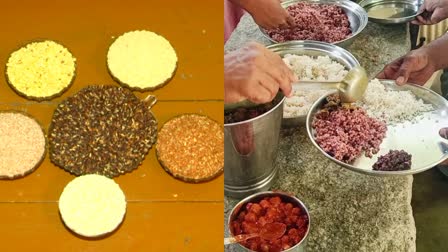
(345, 133)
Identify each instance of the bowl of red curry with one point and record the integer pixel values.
(251, 214)
(335, 22)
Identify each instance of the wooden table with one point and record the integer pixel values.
(163, 214)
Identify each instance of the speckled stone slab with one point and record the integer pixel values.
(349, 211)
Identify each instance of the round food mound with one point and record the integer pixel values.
(346, 132)
(255, 215)
(319, 22)
(393, 106)
(41, 70)
(141, 60)
(395, 160)
(191, 148)
(92, 205)
(321, 68)
(104, 130)
(22, 146)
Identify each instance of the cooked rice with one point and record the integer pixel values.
(392, 106)
(318, 68)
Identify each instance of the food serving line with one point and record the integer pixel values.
(349, 211)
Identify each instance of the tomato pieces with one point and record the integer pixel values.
(254, 216)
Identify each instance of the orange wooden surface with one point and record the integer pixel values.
(164, 214)
(36, 227)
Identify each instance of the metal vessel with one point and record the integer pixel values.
(312, 49)
(357, 17)
(250, 149)
(421, 138)
(391, 11)
(299, 247)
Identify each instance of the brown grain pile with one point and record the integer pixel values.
(394, 160)
(102, 130)
(191, 148)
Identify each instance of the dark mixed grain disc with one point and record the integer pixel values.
(102, 130)
(191, 148)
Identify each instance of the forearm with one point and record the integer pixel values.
(437, 52)
(244, 4)
(230, 89)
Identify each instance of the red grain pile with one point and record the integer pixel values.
(320, 22)
(345, 133)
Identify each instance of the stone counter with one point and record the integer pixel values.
(349, 211)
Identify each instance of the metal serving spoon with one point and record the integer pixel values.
(270, 231)
(351, 88)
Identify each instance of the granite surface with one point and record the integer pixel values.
(349, 211)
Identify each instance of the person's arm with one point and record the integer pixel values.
(418, 65)
(438, 52)
(268, 14)
(432, 12)
(255, 73)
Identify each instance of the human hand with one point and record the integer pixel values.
(268, 14)
(414, 67)
(255, 73)
(432, 12)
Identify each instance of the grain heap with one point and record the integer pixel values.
(320, 68)
(92, 205)
(105, 130)
(345, 132)
(390, 105)
(22, 145)
(395, 160)
(320, 22)
(141, 60)
(41, 70)
(191, 148)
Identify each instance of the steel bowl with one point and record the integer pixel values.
(299, 247)
(421, 138)
(312, 49)
(391, 11)
(357, 17)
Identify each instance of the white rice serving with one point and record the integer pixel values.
(319, 68)
(392, 106)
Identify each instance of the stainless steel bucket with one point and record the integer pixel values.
(250, 149)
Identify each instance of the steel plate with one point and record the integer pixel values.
(421, 139)
(357, 17)
(391, 11)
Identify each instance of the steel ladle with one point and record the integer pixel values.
(351, 88)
